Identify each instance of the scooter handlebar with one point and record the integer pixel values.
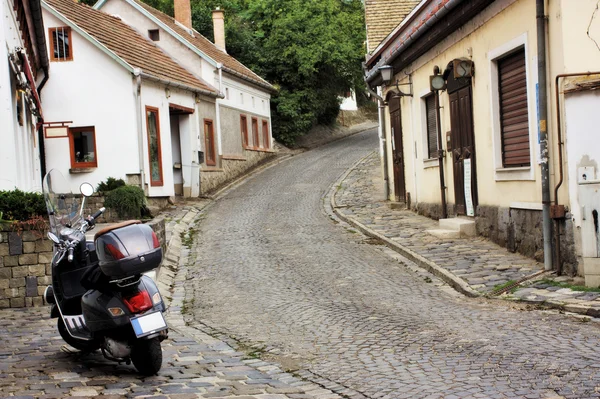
(70, 255)
(98, 213)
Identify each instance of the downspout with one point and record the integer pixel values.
(41, 128)
(38, 22)
(138, 100)
(440, 152)
(382, 136)
(218, 108)
(542, 112)
(560, 145)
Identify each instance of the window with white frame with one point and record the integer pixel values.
(432, 137)
(513, 110)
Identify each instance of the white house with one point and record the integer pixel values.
(243, 117)
(23, 68)
(118, 106)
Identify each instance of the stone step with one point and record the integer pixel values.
(466, 227)
(444, 233)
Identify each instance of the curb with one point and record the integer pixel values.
(455, 282)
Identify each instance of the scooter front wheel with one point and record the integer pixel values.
(147, 356)
(86, 346)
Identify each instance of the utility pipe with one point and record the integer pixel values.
(543, 131)
(440, 153)
(560, 145)
(138, 100)
(382, 136)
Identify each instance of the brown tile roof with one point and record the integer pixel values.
(128, 44)
(382, 16)
(230, 64)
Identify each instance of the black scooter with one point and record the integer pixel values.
(99, 294)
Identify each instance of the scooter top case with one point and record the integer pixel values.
(114, 309)
(127, 249)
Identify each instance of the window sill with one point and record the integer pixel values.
(82, 170)
(211, 169)
(233, 157)
(511, 174)
(255, 149)
(431, 163)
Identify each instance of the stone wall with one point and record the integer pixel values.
(230, 169)
(519, 230)
(25, 269)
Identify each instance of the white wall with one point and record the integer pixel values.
(19, 149)
(92, 90)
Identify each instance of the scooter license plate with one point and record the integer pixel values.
(148, 324)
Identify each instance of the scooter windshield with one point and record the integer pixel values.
(62, 205)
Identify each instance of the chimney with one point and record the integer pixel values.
(183, 13)
(218, 17)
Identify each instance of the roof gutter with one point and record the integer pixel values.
(182, 86)
(417, 27)
(255, 81)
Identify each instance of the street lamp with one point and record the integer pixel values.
(387, 73)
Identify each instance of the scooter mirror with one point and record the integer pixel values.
(53, 238)
(86, 189)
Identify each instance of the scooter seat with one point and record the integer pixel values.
(114, 227)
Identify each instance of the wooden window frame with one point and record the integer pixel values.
(255, 134)
(74, 163)
(244, 130)
(70, 38)
(209, 142)
(427, 132)
(154, 183)
(266, 135)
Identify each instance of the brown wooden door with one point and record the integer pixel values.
(463, 147)
(397, 151)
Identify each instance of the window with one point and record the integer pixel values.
(255, 138)
(209, 140)
(514, 120)
(244, 129)
(154, 147)
(82, 143)
(154, 35)
(265, 130)
(61, 44)
(432, 136)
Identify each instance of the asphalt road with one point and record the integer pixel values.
(275, 271)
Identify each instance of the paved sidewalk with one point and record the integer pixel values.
(473, 266)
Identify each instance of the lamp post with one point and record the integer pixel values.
(437, 83)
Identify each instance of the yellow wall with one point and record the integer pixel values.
(569, 50)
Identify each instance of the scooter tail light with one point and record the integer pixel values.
(156, 298)
(155, 241)
(114, 251)
(139, 302)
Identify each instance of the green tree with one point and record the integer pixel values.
(311, 50)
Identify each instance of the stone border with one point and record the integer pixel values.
(455, 282)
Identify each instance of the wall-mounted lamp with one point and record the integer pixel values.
(437, 81)
(167, 92)
(387, 74)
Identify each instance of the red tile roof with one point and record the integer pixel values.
(128, 44)
(230, 64)
(382, 16)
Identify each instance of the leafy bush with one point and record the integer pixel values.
(20, 205)
(110, 184)
(127, 201)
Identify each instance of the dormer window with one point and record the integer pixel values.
(61, 44)
(154, 35)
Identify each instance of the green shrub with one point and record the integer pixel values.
(127, 201)
(20, 205)
(110, 184)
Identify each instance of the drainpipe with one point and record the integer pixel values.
(542, 112)
(382, 136)
(41, 128)
(218, 107)
(138, 100)
(440, 153)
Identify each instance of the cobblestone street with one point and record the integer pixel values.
(285, 280)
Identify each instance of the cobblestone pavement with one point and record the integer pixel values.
(286, 281)
(33, 363)
(481, 264)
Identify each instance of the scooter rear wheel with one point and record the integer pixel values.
(147, 356)
(85, 346)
